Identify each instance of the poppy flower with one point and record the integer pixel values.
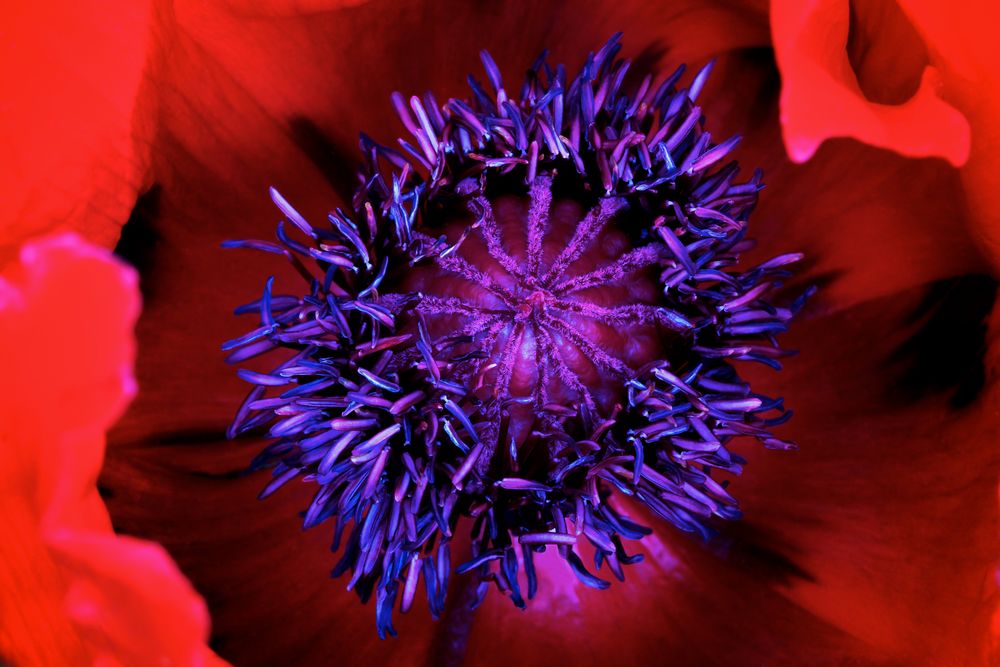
(874, 543)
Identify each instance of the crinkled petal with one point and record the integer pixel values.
(74, 137)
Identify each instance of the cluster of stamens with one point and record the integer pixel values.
(531, 312)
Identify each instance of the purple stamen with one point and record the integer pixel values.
(510, 376)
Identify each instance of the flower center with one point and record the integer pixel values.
(550, 301)
(534, 307)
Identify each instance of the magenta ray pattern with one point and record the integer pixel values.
(532, 310)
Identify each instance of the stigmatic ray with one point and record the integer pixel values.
(533, 307)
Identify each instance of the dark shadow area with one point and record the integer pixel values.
(879, 32)
(139, 238)
(647, 61)
(945, 352)
(750, 548)
(338, 165)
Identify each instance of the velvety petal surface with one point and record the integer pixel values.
(890, 505)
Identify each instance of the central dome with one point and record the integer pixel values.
(551, 298)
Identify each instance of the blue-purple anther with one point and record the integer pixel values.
(531, 310)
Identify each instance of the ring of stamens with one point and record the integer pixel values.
(406, 353)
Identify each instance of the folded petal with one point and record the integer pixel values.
(71, 591)
(67, 349)
(821, 97)
(74, 137)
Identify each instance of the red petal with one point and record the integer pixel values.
(128, 598)
(963, 43)
(958, 92)
(890, 504)
(73, 137)
(337, 67)
(266, 580)
(67, 310)
(66, 347)
(821, 97)
(683, 604)
(286, 8)
(36, 629)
